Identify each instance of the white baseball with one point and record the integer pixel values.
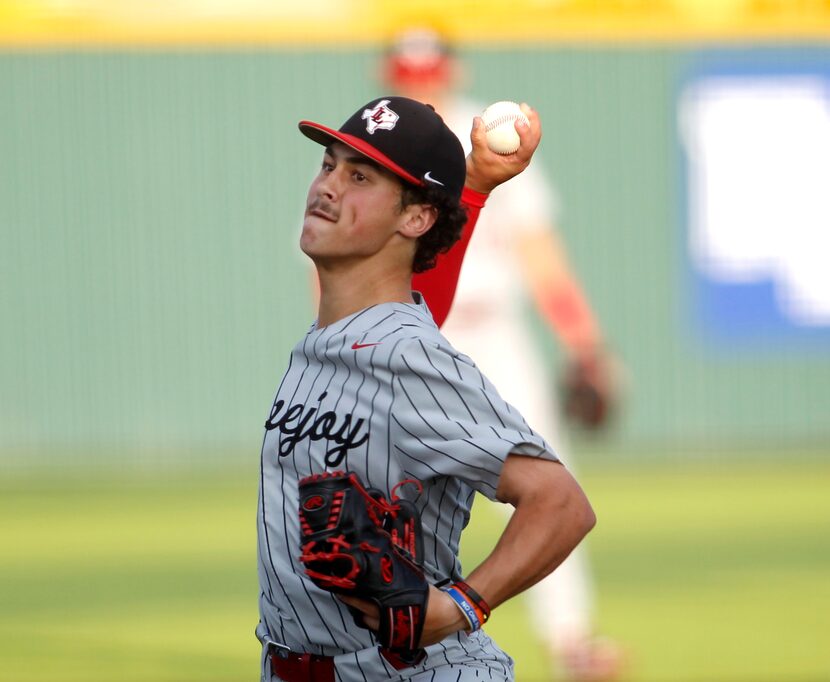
(499, 123)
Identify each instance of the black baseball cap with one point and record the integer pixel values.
(404, 136)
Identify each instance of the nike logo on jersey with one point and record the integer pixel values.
(296, 423)
(358, 346)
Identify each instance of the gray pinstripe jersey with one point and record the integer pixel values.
(383, 394)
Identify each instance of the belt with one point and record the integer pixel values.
(293, 667)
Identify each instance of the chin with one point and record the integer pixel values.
(312, 248)
(306, 246)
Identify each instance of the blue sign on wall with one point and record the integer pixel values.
(754, 130)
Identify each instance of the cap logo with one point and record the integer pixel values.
(428, 177)
(380, 117)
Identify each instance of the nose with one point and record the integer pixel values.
(330, 185)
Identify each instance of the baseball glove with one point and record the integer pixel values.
(585, 395)
(356, 542)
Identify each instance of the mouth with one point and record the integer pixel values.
(318, 210)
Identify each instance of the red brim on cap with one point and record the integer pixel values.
(325, 136)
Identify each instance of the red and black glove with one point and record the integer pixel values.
(356, 542)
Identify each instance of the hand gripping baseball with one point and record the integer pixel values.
(357, 543)
(486, 169)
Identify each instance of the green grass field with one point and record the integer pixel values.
(704, 571)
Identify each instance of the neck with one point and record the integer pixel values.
(345, 290)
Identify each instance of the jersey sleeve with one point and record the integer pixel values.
(438, 285)
(448, 419)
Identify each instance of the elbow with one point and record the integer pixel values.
(582, 513)
(588, 518)
(577, 508)
(579, 514)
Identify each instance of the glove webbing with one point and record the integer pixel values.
(345, 581)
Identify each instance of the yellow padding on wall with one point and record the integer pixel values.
(321, 23)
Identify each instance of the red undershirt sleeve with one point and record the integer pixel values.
(438, 284)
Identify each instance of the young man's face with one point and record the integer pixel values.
(352, 209)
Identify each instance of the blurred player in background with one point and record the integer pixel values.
(515, 249)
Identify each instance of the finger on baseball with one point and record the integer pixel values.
(529, 135)
(531, 113)
(478, 134)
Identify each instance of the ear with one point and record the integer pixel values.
(417, 219)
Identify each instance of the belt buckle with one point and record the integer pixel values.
(280, 650)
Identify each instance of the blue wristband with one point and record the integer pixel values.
(466, 607)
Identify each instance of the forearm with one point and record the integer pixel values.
(438, 285)
(549, 521)
(552, 515)
(557, 292)
(565, 309)
(486, 170)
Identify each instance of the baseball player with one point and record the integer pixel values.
(515, 249)
(373, 388)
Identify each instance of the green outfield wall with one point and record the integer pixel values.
(151, 286)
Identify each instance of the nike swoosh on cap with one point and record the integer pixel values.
(429, 178)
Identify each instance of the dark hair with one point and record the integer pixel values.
(447, 228)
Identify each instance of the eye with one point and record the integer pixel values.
(327, 166)
(359, 177)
